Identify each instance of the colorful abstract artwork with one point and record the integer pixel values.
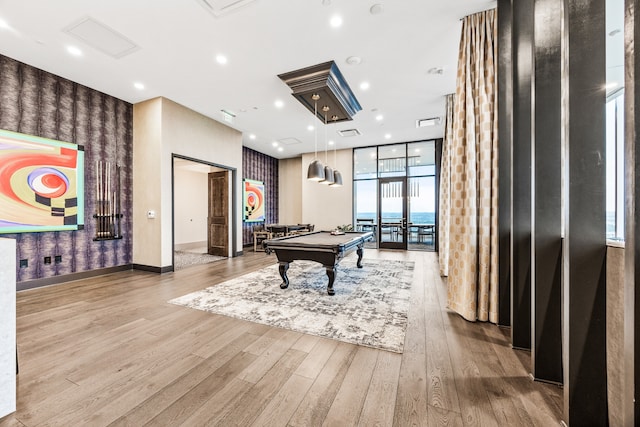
(253, 201)
(41, 184)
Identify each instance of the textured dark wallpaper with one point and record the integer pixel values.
(38, 103)
(261, 167)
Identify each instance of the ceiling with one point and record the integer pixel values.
(170, 47)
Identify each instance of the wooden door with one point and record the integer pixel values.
(218, 220)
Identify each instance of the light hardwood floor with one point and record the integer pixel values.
(111, 351)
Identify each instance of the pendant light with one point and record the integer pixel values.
(328, 172)
(337, 176)
(316, 168)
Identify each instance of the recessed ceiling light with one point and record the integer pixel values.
(221, 59)
(138, 86)
(387, 136)
(435, 70)
(252, 136)
(274, 143)
(331, 142)
(376, 9)
(364, 85)
(336, 21)
(278, 103)
(354, 60)
(379, 117)
(4, 24)
(310, 128)
(74, 51)
(280, 149)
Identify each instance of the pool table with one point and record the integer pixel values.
(319, 246)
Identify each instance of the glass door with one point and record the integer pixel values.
(392, 213)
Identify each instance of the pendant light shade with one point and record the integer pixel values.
(328, 176)
(316, 171)
(337, 179)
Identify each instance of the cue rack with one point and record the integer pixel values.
(108, 214)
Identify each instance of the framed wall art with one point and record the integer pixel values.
(41, 184)
(253, 201)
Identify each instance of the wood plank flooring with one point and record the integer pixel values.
(110, 351)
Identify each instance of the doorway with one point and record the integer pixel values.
(392, 213)
(204, 226)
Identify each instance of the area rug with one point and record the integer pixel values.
(369, 308)
(183, 259)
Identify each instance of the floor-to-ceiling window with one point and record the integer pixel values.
(615, 120)
(395, 191)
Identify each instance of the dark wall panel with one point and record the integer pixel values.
(521, 184)
(547, 229)
(584, 303)
(39, 103)
(260, 167)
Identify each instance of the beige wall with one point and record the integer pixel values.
(615, 333)
(147, 194)
(327, 207)
(290, 191)
(166, 128)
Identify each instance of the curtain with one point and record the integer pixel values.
(444, 206)
(473, 149)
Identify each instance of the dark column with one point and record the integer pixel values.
(631, 369)
(546, 260)
(438, 147)
(505, 109)
(521, 178)
(584, 290)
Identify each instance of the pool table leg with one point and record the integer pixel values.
(359, 251)
(331, 274)
(284, 266)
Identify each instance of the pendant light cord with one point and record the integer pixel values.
(326, 144)
(315, 113)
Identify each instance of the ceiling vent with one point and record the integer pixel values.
(349, 132)
(289, 141)
(327, 82)
(221, 7)
(101, 37)
(428, 122)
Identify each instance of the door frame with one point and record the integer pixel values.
(403, 227)
(233, 196)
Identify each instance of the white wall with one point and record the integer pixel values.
(163, 128)
(190, 206)
(7, 326)
(327, 207)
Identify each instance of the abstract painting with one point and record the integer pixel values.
(41, 184)
(253, 201)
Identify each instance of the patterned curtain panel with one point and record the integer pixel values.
(444, 208)
(473, 237)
